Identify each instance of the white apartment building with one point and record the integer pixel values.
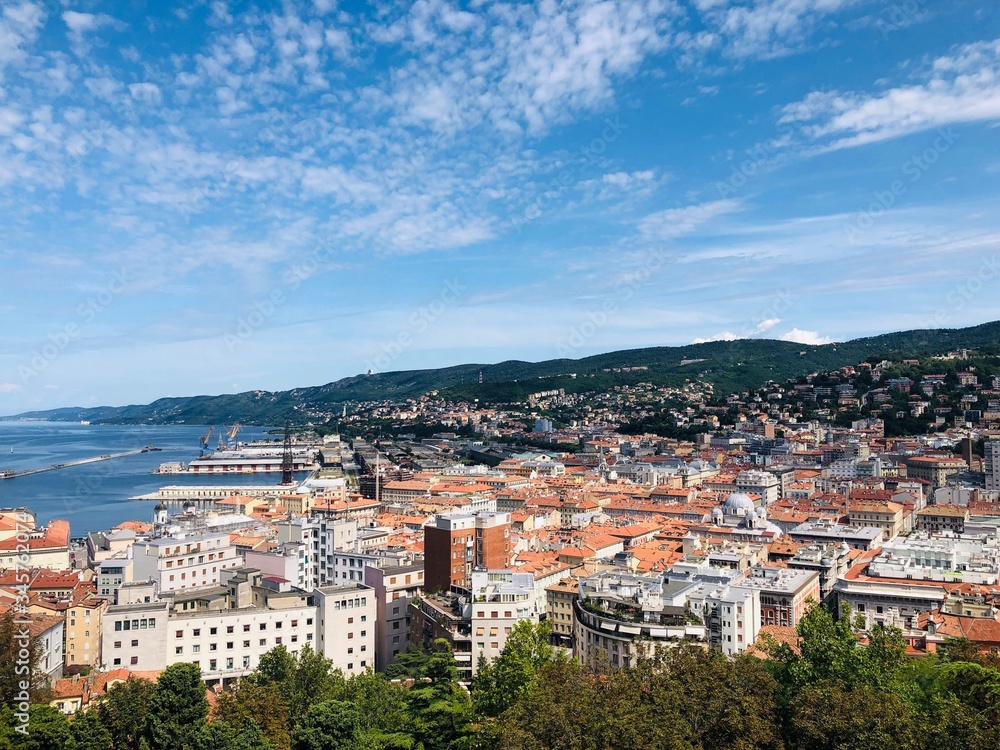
(181, 562)
(992, 464)
(322, 537)
(499, 599)
(761, 483)
(394, 586)
(346, 630)
(110, 575)
(224, 630)
(731, 615)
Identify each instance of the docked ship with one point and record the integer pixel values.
(253, 461)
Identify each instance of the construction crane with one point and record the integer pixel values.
(233, 431)
(206, 437)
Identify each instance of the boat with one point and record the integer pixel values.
(84, 422)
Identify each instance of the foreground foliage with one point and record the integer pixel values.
(829, 692)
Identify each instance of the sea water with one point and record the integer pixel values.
(93, 497)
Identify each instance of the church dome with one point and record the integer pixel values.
(739, 504)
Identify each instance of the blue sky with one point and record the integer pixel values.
(209, 197)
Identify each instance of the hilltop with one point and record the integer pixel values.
(731, 366)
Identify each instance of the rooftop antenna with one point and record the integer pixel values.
(286, 457)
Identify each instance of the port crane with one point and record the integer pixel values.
(206, 437)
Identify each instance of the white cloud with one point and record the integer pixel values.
(9, 387)
(147, 93)
(766, 28)
(749, 332)
(800, 336)
(19, 27)
(962, 87)
(676, 222)
(724, 336)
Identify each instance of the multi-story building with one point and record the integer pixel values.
(225, 629)
(559, 610)
(48, 633)
(830, 561)
(184, 562)
(110, 575)
(394, 587)
(731, 614)
(46, 547)
(785, 594)
(456, 543)
(933, 469)
(346, 629)
(886, 601)
(858, 537)
(619, 617)
(921, 557)
(761, 483)
(84, 623)
(991, 465)
(889, 516)
(322, 537)
(499, 599)
(943, 518)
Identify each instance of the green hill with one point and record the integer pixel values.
(732, 366)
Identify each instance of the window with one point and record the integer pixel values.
(196, 648)
(196, 632)
(229, 628)
(263, 641)
(212, 664)
(229, 645)
(263, 626)
(117, 662)
(118, 644)
(134, 660)
(178, 650)
(118, 626)
(213, 631)
(180, 633)
(246, 628)
(246, 644)
(350, 620)
(134, 643)
(213, 647)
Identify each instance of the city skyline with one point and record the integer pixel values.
(222, 197)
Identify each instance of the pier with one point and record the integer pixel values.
(13, 474)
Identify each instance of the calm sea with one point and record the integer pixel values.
(95, 496)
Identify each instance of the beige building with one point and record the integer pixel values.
(84, 620)
(889, 516)
(937, 518)
(559, 598)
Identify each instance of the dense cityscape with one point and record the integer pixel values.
(467, 535)
(508, 375)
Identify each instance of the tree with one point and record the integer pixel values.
(828, 717)
(303, 680)
(262, 704)
(439, 707)
(328, 726)
(47, 729)
(178, 708)
(12, 640)
(88, 733)
(500, 684)
(124, 711)
(384, 721)
(411, 663)
(219, 735)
